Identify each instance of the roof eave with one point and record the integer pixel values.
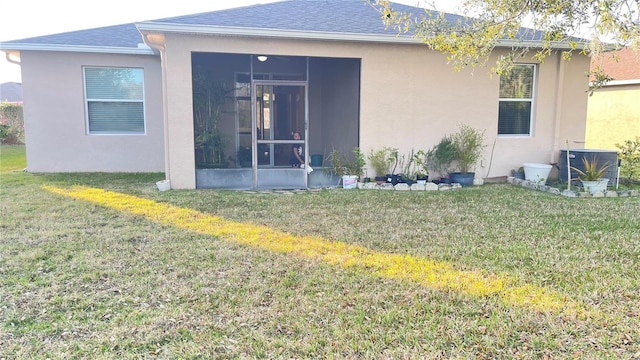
(142, 50)
(556, 45)
(272, 33)
(151, 26)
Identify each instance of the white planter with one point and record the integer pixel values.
(349, 181)
(164, 185)
(538, 173)
(595, 186)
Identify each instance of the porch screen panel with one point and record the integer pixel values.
(516, 101)
(114, 100)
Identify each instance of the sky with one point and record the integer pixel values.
(21, 19)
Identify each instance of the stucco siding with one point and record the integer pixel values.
(55, 119)
(409, 98)
(613, 116)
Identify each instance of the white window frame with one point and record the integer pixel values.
(532, 100)
(87, 100)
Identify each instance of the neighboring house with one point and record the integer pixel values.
(613, 112)
(11, 92)
(191, 94)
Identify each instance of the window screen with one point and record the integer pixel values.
(114, 100)
(516, 101)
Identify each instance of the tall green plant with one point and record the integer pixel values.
(343, 164)
(382, 159)
(421, 162)
(209, 98)
(441, 155)
(630, 156)
(469, 144)
(407, 164)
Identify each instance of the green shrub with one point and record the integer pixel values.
(11, 120)
(4, 131)
(382, 159)
(630, 156)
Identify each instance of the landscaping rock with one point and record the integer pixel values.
(402, 187)
(369, 185)
(611, 194)
(431, 186)
(554, 191)
(418, 187)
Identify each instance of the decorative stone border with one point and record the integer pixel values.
(570, 193)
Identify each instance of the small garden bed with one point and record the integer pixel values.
(571, 193)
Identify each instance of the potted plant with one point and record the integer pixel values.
(407, 173)
(468, 144)
(440, 157)
(422, 166)
(519, 173)
(349, 168)
(381, 161)
(592, 176)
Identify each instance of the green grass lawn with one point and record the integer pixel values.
(12, 158)
(81, 280)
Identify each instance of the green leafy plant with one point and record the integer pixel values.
(407, 165)
(630, 156)
(11, 124)
(382, 159)
(342, 164)
(441, 155)
(469, 144)
(421, 162)
(209, 99)
(591, 172)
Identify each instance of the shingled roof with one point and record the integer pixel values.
(352, 20)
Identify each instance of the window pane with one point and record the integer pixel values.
(114, 84)
(116, 117)
(514, 118)
(518, 84)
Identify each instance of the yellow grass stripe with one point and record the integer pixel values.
(433, 274)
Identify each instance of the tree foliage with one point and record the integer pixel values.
(11, 124)
(560, 25)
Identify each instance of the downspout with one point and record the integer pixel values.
(157, 42)
(557, 107)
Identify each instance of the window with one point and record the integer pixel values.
(516, 101)
(114, 100)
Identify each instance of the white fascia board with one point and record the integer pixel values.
(313, 35)
(622, 82)
(271, 33)
(558, 45)
(78, 48)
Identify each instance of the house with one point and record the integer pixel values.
(211, 99)
(11, 92)
(613, 111)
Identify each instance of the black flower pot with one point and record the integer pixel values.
(464, 179)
